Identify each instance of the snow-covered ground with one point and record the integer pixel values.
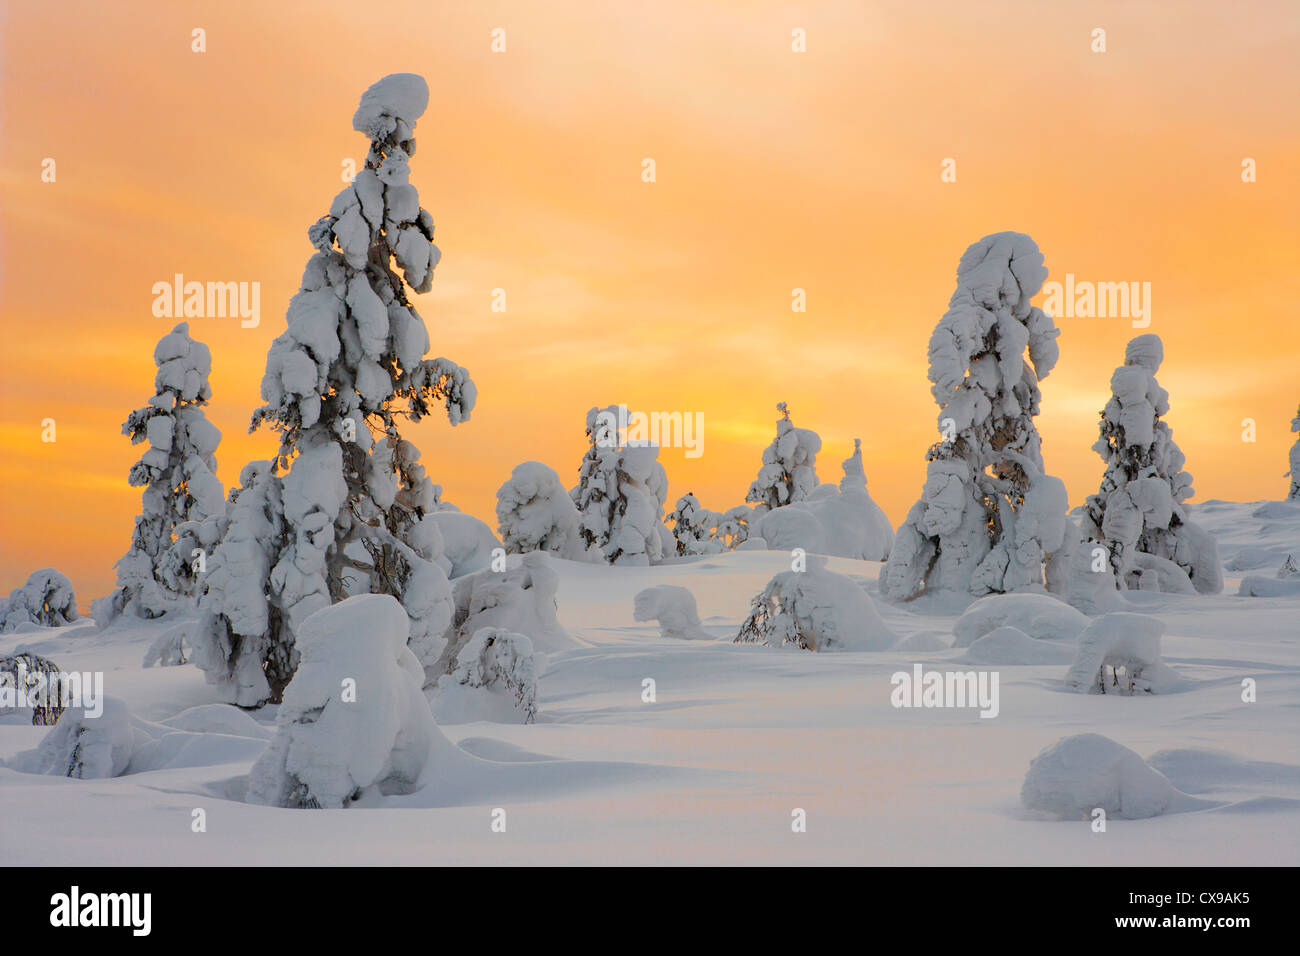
(737, 738)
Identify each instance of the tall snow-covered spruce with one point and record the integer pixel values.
(1294, 493)
(1137, 515)
(989, 519)
(179, 475)
(347, 517)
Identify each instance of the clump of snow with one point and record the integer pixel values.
(493, 663)
(467, 542)
(46, 600)
(1120, 653)
(1078, 775)
(1138, 514)
(1010, 645)
(789, 470)
(535, 513)
(172, 648)
(620, 493)
(989, 519)
(398, 97)
(354, 716)
(673, 609)
(816, 610)
(1040, 616)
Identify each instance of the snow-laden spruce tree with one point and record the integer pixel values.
(1137, 515)
(535, 513)
(620, 493)
(347, 518)
(695, 529)
(789, 470)
(1294, 493)
(179, 475)
(989, 518)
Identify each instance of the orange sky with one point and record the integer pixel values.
(775, 170)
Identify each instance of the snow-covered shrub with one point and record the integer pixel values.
(1087, 772)
(535, 513)
(734, 527)
(620, 493)
(1139, 510)
(1283, 584)
(673, 609)
(1010, 645)
(465, 543)
(989, 518)
(500, 663)
(1041, 616)
(816, 610)
(789, 470)
(46, 600)
(1294, 493)
(88, 748)
(179, 475)
(1120, 651)
(354, 716)
(520, 600)
(695, 529)
(26, 673)
(172, 648)
(345, 519)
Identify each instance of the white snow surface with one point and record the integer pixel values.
(737, 737)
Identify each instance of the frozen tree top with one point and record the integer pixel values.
(1145, 350)
(398, 96)
(1005, 267)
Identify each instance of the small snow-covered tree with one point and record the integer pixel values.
(695, 529)
(179, 475)
(495, 660)
(815, 610)
(1138, 514)
(789, 471)
(1294, 493)
(734, 527)
(46, 599)
(535, 513)
(620, 493)
(346, 518)
(987, 520)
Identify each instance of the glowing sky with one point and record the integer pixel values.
(775, 170)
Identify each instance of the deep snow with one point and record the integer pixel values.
(737, 737)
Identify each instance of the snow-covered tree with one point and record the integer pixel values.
(620, 493)
(535, 513)
(989, 518)
(1294, 493)
(789, 471)
(695, 529)
(734, 527)
(46, 600)
(497, 661)
(1138, 514)
(179, 475)
(346, 518)
(816, 610)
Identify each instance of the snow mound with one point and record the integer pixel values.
(924, 641)
(1079, 774)
(1040, 616)
(46, 600)
(673, 609)
(1010, 645)
(354, 717)
(1256, 585)
(83, 746)
(495, 678)
(1120, 651)
(217, 719)
(816, 610)
(467, 542)
(173, 647)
